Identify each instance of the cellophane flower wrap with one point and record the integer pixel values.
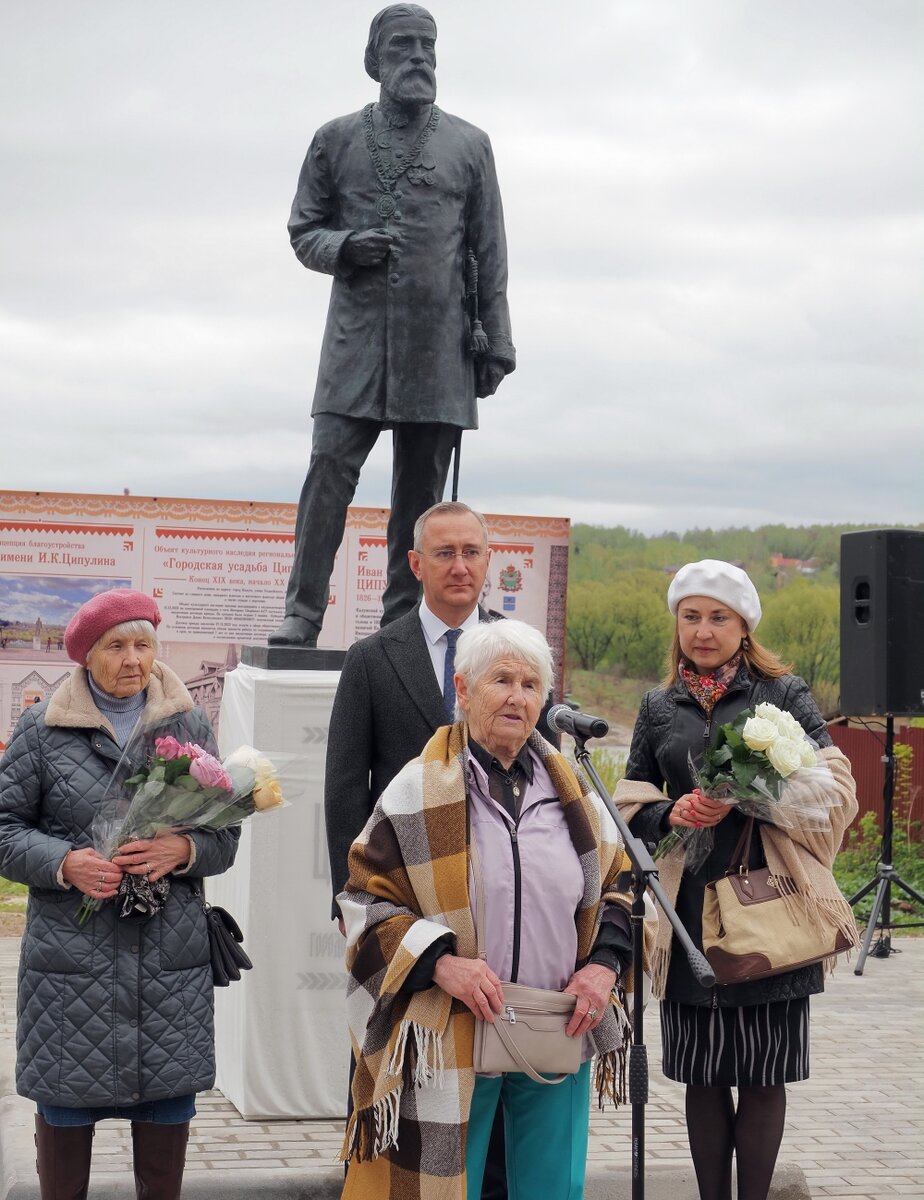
(162, 785)
(765, 764)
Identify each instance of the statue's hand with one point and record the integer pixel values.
(367, 248)
(488, 375)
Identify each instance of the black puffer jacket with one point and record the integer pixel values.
(671, 726)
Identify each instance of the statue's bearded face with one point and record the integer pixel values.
(407, 60)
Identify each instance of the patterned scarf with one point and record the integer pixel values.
(707, 690)
(408, 884)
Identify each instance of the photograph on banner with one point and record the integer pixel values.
(24, 683)
(35, 610)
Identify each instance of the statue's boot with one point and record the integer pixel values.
(295, 631)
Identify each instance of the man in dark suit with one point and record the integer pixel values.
(396, 690)
(390, 699)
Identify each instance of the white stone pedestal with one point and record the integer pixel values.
(281, 1036)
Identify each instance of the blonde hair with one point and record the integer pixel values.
(757, 658)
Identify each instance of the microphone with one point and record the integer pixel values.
(578, 724)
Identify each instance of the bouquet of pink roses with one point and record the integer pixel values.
(160, 784)
(765, 764)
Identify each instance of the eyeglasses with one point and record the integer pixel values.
(444, 557)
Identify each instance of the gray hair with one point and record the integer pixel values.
(132, 629)
(479, 648)
(371, 58)
(446, 508)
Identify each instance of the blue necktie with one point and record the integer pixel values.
(449, 669)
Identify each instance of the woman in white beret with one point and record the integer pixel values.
(750, 1036)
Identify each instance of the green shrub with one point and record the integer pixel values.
(609, 765)
(856, 865)
(12, 896)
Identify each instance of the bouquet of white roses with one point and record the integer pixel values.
(764, 763)
(162, 785)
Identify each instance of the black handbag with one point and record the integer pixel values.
(226, 948)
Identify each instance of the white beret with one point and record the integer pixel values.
(719, 581)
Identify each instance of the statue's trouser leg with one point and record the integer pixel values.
(339, 447)
(422, 455)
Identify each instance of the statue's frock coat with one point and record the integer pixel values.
(397, 342)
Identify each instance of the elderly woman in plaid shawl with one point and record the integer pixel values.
(550, 859)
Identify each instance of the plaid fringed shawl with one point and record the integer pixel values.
(806, 856)
(408, 884)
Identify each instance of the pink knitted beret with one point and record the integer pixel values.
(92, 619)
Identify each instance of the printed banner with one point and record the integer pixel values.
(218, 570)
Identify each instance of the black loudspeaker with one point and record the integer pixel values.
(882, 622)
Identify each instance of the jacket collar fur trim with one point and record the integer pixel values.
(72, 705)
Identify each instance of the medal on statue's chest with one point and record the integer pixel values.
(416, 164)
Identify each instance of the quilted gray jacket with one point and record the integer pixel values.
(117, 1011)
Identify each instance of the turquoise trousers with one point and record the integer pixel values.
(545, 1129)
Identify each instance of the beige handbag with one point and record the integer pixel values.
(529, 1034)
(755, 923)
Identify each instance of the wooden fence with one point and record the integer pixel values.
(865, 748)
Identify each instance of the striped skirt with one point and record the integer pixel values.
(752, 1046)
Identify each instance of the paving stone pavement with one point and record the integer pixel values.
(856, 1128)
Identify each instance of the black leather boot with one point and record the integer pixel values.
(159, 1154)
(62, 1159)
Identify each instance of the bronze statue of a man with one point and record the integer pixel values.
(400, 204)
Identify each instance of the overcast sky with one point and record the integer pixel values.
(715, 218)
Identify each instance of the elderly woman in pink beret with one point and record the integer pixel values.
(115, 1016)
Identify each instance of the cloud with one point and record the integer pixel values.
(715, 227)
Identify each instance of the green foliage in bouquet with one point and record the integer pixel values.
(732, 763)
(168, 790)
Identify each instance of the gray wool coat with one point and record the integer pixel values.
(116, 1011)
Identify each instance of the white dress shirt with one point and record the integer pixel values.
(435, 636)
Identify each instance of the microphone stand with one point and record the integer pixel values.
(644, 875)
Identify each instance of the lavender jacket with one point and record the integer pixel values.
(533, 883)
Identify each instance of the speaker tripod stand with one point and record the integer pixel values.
(886, 876)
